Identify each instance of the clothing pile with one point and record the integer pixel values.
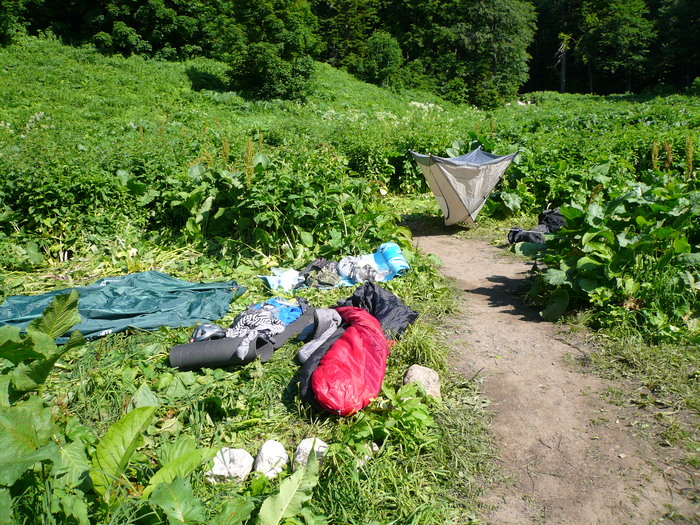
(345, 352)
(255, 333)
(382, 265)
(549, 221)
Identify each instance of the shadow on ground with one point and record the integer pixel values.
(505, 294)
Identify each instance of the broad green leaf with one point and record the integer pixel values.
(118, 445)
(14, 347)
(595, 214)
(571, 213)
(6, 507)
(558, 303)
(7, 394)
(586, 264)
(261, 161)
(307, 239)
(588, 285)
(195, 172)
(604, 233)
(183, 444)
(74, 505)
(178, 502)
(690, 258)
(681, 245)
(73, 464)
(182, 466)
(234, 512)
(59, 317)
(293, 492)
(663, 233)
(11, 471)
(35, 256)
(144, 397)
(600, 249)
(24, 427)
(123, 177)
(30, 376)
(554, 277)
(511, 200)
(528, 249)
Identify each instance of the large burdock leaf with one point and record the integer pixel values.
(36, 353)
(178, 502)
(30, 375)
(73, 464)
(294, 491)
(60, 316)
(234, 512)
(13, 346)
(180, 467)
(118, 445)
(558, 303)
(25, 438)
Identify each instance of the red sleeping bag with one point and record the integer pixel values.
(351, 372)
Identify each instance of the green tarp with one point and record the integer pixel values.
(143, 301)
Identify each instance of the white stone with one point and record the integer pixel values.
(271, 459)
(301, 455)
(230, 463)
(428, 377)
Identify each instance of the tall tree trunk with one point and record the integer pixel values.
(590, 78)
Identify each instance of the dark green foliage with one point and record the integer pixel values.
(615, 37)
(631, 259)
(9, 18)
(382, 61)
(278, 37)
(345, 26)
(679, 47)
(477, 50)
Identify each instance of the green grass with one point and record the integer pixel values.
(662, 380)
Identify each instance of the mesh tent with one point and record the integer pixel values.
(462, 184)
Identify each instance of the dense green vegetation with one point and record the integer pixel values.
(113, 164)
(477, 51)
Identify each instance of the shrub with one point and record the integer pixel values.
(382, 61)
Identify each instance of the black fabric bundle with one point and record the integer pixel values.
(390, 311)
(550, 221)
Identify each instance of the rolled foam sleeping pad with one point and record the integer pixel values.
(218, 353)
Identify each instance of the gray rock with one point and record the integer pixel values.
(272, 458)
(230, 463)
(428, 377)
(301, 456)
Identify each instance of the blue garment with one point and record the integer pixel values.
(284, 310)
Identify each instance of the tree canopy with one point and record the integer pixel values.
(477, 51)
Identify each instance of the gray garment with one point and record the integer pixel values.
(327, 322)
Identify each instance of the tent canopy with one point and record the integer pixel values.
(462, 184)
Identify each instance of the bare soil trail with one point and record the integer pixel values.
(568, 456)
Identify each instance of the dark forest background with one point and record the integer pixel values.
(482, 52)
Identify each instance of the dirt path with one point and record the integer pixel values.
(569, 456)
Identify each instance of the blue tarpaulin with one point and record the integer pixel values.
(145, 301)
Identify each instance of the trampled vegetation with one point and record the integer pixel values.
(114, 165)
